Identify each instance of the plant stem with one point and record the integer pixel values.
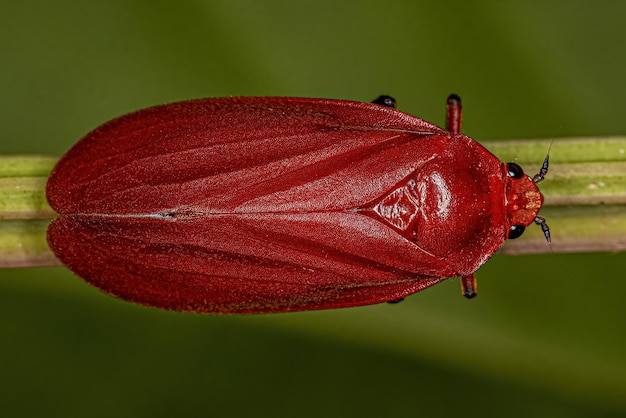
(24, 211)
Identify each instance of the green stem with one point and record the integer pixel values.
(585, 199)
(24, 211)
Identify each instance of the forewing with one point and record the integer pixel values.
(239, 154)
(223, 265)
(244, 205)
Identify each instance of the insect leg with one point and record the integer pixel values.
(469, 286)
(454, 116)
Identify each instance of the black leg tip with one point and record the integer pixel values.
(470, 294)
(453, 99)
(387, 101)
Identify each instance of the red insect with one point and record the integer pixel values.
(245, 205)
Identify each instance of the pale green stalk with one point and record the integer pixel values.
(24, 211)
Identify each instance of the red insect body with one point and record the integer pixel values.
(244, 205)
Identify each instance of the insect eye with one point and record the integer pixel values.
(514, 171)
(516, 231)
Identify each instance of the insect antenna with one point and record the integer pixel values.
(544, 170)
(544, 227)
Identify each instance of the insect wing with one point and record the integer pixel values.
(245, 205)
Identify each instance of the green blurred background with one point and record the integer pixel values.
(545, 338)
